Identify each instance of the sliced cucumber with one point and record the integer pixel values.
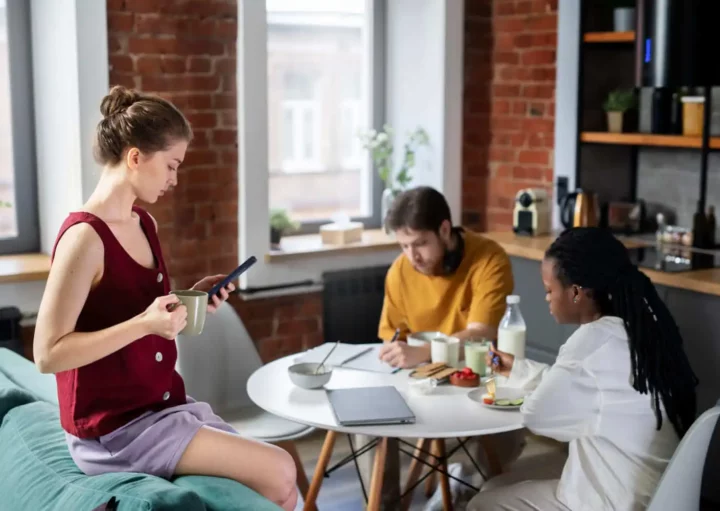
(502, 402)
(517, 402)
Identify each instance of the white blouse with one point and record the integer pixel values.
(616, 456)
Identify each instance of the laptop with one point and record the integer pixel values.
(370, 406)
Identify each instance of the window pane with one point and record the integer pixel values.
(317, 103)
(308, 130)
(8, 220)
(288, 134)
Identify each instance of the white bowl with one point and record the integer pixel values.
(303, 375)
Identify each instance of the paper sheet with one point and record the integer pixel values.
(370, 361)
(342, 353)
(348, 356)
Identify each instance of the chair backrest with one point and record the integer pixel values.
(680, 486)
(217, 363)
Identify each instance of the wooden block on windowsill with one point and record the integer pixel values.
(341, 234)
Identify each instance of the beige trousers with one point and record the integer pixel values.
(529, 485)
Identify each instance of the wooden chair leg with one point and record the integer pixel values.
(376, 481)
(431, 481)
(444, 480)
(494, 465)
(320, 468)
(414, 472)
(302, 480)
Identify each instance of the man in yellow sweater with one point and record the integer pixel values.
(447, 279)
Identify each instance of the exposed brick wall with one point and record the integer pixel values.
(185, 50)
(283, 325)
(509, 105)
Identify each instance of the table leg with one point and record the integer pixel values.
(320, 469)
(444, 480)
(376, 481)
(431, 482)
(391, 475)
(415, 470)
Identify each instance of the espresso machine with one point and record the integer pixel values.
(531, 215)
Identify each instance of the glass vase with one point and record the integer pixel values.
(388, 196)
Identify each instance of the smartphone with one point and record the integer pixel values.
(232, 276)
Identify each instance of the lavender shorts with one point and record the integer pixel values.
(151, 444)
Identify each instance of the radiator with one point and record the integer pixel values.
(352, 302)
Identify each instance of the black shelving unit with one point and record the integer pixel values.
(598, 42)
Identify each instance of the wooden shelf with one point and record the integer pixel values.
(609, 37)
(643, 139)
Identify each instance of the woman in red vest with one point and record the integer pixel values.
(105, 328)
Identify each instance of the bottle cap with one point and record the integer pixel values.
(512, 299)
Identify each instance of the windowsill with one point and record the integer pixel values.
(309, 245)
(24, 267)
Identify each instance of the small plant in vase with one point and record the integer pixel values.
(617, 105)
(280, 224)
(381, 147)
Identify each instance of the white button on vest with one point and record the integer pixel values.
(166, 396)
(158, 356)
(159, 277)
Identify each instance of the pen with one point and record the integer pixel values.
(395, 337)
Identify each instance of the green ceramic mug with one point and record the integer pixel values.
(196, 303)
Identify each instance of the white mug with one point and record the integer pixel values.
(445, 349)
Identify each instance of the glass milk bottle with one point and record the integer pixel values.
(511, 333)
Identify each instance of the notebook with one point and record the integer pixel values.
(342, 354)
(348, 356)
(369, 406)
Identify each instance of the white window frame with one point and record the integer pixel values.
(371, 188)
(426, 93)
(299, 162)
(22, 131)
(354, 159)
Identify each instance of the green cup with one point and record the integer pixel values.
(475, 352)
(196, 303)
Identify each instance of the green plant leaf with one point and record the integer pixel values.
(280, 220)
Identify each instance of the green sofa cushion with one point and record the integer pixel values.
(38, 473)
(25, 375)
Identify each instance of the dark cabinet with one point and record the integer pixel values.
(698, 318)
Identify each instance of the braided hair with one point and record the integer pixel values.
(592, 258)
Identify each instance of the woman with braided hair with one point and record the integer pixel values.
(621, 392)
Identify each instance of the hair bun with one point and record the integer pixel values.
(118, 100)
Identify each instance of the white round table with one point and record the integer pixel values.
(445, 413)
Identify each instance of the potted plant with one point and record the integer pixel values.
(623, 15)
(617, 104)
(381, 147)
(280, 224)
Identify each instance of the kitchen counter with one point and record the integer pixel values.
(533, 247)
(692, 298)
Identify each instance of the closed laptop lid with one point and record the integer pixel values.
(370, 405)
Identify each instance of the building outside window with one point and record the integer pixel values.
(319, 98)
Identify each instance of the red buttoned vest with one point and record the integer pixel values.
(98, 398)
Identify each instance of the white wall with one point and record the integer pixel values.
(424, 88)
(566, 96)
(424, 75)
(70, 73)
(70, 77)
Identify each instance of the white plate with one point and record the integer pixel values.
(502, 393)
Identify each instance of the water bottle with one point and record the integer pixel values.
(511, 333)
